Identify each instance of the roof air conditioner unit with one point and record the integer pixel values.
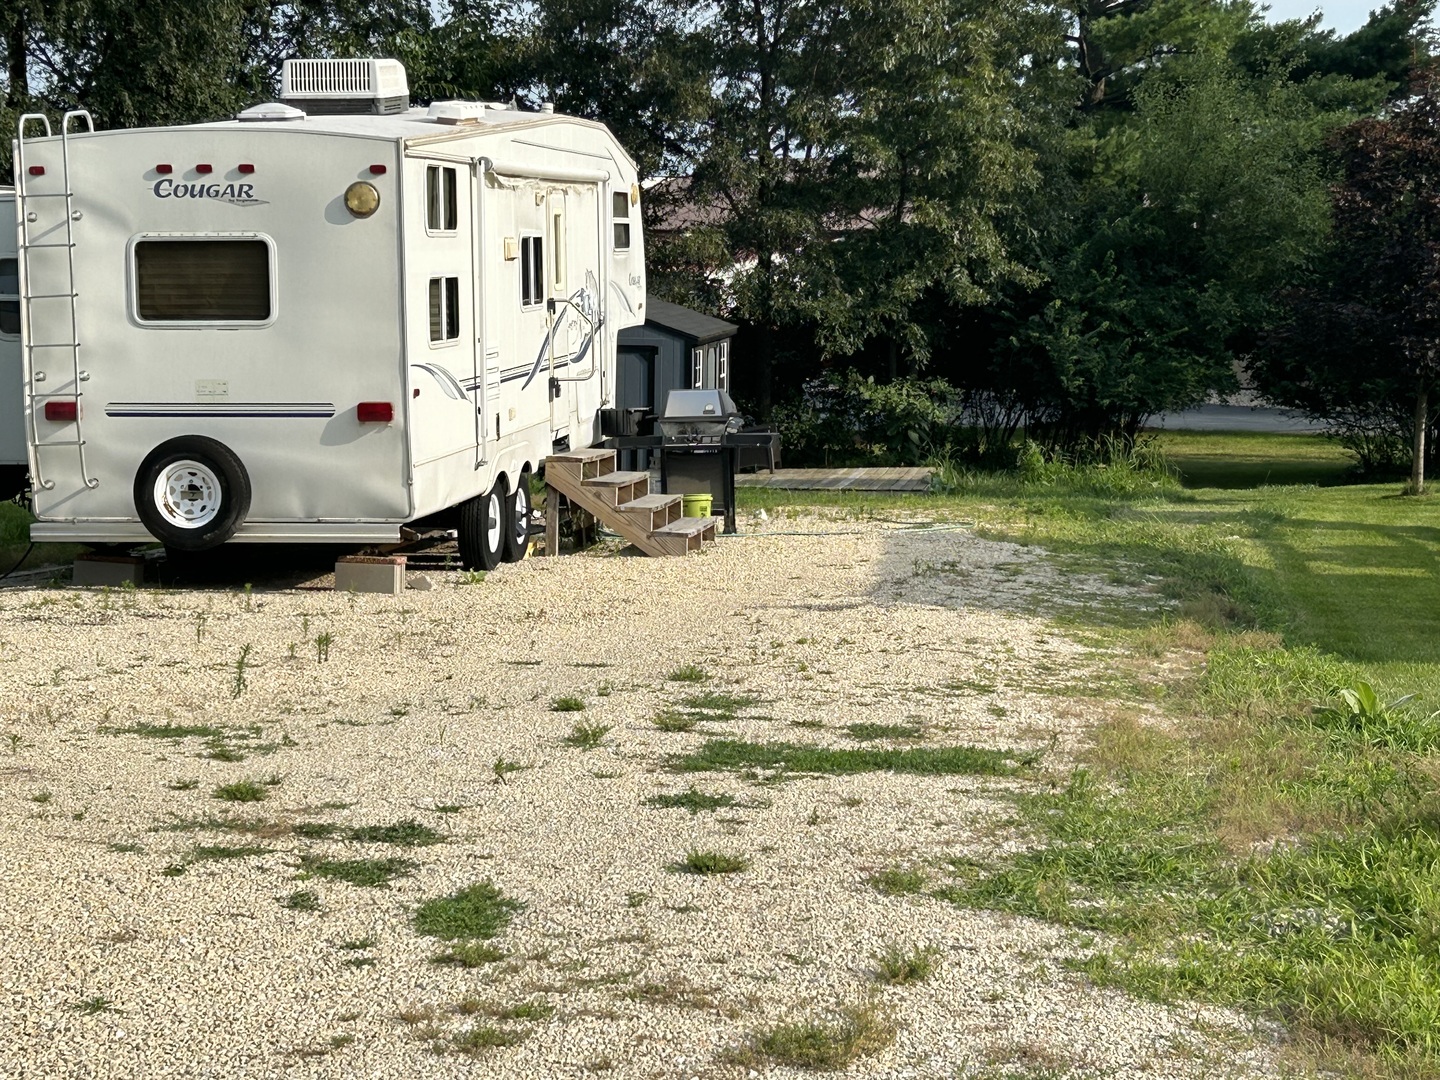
(319, 87)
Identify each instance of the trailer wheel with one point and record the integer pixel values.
(517, 520)
(192, 493)
(482, 529)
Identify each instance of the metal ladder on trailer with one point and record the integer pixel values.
(35, 397)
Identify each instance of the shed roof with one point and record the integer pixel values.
(687, 322)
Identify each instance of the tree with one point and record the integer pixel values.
(1369, 330)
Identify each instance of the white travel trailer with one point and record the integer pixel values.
(323, 320)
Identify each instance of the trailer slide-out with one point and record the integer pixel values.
(329, 317)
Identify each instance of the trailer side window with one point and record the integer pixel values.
(532, 271)
(185, 280)
(440, 207)
(444, 309)
(9, 296)
(620, 201)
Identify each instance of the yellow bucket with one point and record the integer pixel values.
(696, 505)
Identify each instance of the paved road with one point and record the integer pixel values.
(1233, 418)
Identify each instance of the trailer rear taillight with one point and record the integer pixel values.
(204, 169)
(36, 170)
(374, 412)
(377, 170)
(62, 412)
(247, 169)
(164, 170)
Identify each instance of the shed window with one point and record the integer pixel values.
(532, 270)
(722, 365)
(187, 280)
(620, 202)
(444, 309)
(697, 368)
(9, 296)
(441, 214)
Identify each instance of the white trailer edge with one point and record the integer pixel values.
(317, 324)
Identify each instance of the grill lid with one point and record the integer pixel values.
(708, 404)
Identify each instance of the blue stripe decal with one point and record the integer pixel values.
(248, 410)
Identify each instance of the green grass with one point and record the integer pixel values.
(302, 900)
(827, 1045)
(242, 791)
(733, 755)
(168, 731)
(567, 704)
(897, 881)
(367, 873)
(469, 954)
(587, 736)
(484, 1037)
(708, 863)
(689, 673)
(477, 912)
(897, 965)
(1266, 846)
(693, 800)
(720, 701)
(407, 833)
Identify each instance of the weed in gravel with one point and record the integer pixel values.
(734, 755)
(694, 800)
(323, 641)
(183, 785)
(483, 1037)
(809, 722)
(167, 731)
(711, 862)
(567, 704)
(41, 797)
(359, 961)
(690, 673)
(636, 899)
(674, 720)
(369, 873)
(871, 732)
(302, 900)
(316, 830)
(357, 944)
(241, 791)
(339, 1042)
(587, 736)
(525, 1010)
(857, 1031)
(93, 1005)
(206, 852)
(504, 767)
(241, 663)
(721, 701)
(897, 881)
(675, 991)
(447, 808)
(900, 966)
(851, 801)
(120, 848)
(479, 911)
(469, 954)
(219, 751)
(407, 833)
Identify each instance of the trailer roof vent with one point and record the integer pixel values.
(271, 110)
(456, 112)
(329, 87)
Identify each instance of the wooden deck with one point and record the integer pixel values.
(915, 479)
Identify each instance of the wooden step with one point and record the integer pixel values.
(618, 488)
(652, 511)
(686, 534)
(582, 464)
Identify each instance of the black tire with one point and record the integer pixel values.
(517, 520)
(482, 529)
(192, 493)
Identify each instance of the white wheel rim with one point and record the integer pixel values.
(522, 514)
(494, 521)
(187, 494)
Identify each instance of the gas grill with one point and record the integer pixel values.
(698, 418)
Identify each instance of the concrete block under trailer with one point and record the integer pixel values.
(318, 328)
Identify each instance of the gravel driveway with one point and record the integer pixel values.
(152, 929)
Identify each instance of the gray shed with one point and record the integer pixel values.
(676, 349)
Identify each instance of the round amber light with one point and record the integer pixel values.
(361, 199)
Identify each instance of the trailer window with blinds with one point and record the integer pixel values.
(9, 297)
(532, 271)
(620, 205)
(441, 209)
(203, 281)
(444, 310)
